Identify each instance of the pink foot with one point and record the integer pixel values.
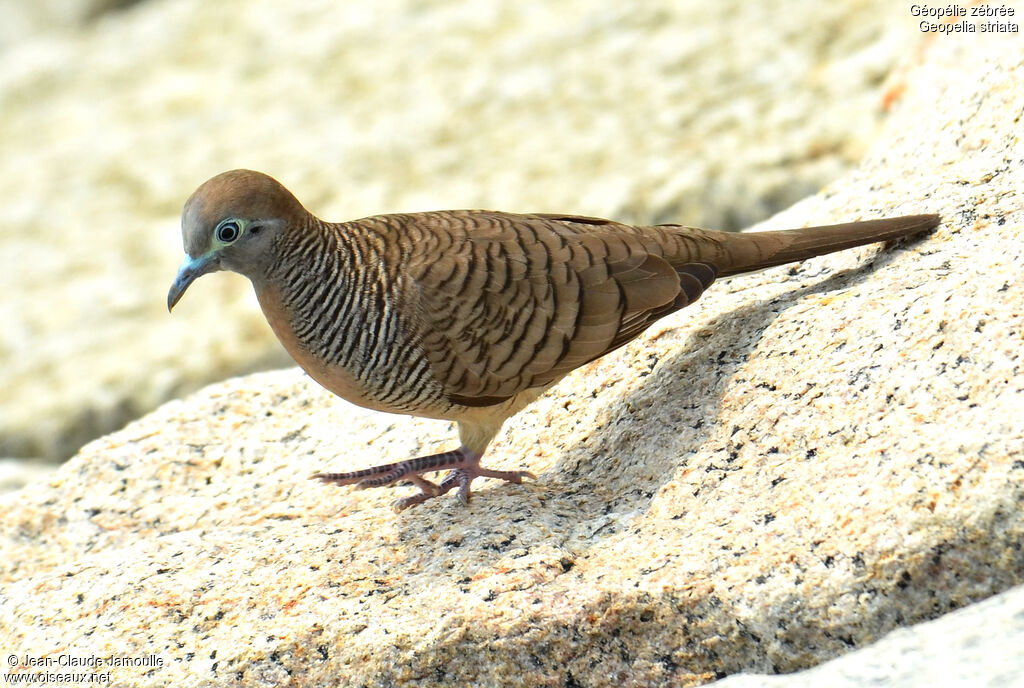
(463, 464)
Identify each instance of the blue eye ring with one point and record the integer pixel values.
(228, 231)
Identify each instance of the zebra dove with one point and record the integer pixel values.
(465, 315)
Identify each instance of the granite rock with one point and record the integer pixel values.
(976, 647)
(810, 458)
(696, 112)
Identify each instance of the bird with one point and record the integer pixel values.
(465, 315)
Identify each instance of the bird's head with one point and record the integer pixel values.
(231, 223)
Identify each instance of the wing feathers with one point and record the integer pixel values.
(512, 302)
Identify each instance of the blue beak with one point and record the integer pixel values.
(190, 270)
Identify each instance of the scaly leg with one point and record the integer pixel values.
(463, 463)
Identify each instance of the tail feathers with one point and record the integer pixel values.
(758, 250)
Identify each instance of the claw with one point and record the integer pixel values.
(400, 505)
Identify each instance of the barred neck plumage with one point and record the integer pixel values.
(340, 286)
(327, 276)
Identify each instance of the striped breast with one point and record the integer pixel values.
(334, 299)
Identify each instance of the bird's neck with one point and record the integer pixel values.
(325, 281)
(330, 302)
(325, 248)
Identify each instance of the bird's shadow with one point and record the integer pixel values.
(577, 488)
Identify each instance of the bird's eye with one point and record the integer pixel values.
(228, 231)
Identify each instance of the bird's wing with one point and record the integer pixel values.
(513, 302)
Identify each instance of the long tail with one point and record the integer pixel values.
(746, 252)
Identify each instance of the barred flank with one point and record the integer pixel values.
(470, 308)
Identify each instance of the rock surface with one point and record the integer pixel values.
(976, 647)
(709, 113)
(808, 459)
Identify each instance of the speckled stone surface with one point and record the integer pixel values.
(976, 647)
(809, 459)
(709, 113)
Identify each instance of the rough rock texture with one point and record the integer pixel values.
(976, 647)
(713, 113)
(807, 460)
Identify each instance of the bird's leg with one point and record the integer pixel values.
(463, 463)
(390, 472)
